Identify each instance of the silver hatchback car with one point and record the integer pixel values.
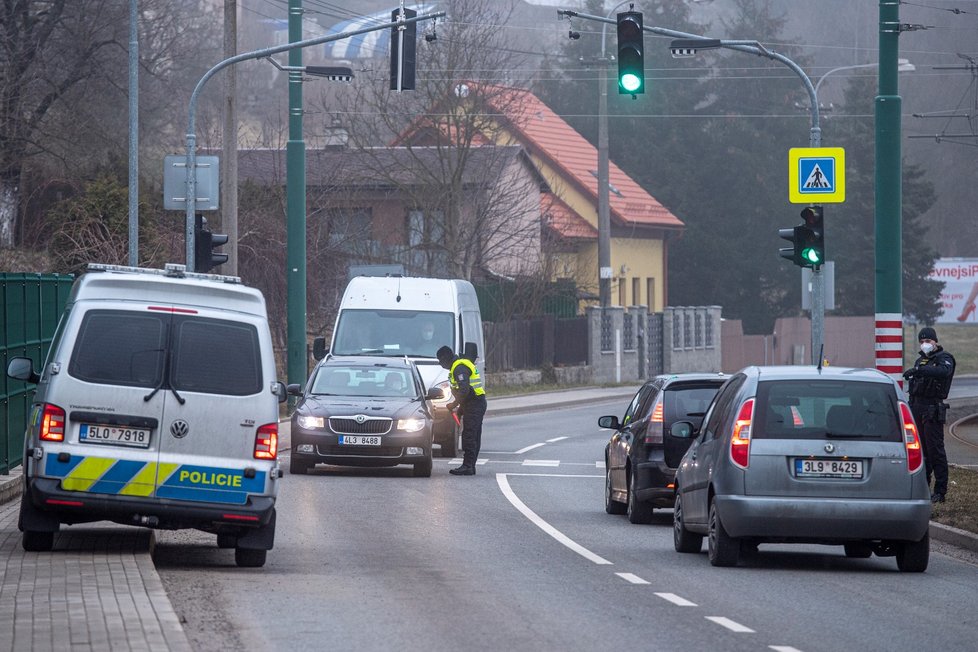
(804, 455)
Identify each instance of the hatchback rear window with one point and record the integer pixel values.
(817, 409)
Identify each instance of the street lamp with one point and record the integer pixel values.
(903, 65)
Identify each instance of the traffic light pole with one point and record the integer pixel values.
(815, 137)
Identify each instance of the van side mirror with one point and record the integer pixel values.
(470, 351)
(22, 369)
(278, 388)
(319, 349)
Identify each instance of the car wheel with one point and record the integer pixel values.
(298, 466)
(611, 505)
(858, 550)
(682, 539)
(423, 468)
(451, 445)
(250, 558)
(724, 550)
(226, 541)
(638, 512)
(34, 541)
(912, 556)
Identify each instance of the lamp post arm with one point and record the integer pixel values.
(256, 54)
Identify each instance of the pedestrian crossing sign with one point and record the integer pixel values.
(816, 175)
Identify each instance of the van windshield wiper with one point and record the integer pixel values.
(165, 380)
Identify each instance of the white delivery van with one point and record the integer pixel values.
(157, 406)
(414, 317)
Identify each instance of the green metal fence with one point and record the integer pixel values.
(30, 306)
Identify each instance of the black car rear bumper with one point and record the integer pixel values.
(654, 483)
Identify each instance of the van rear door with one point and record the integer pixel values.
(217, 404)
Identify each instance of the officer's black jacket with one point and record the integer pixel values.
(932, 375)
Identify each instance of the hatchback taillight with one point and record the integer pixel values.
(915, 456)
(653, 433)
(740, 441)
(52, 423)
(266, 442)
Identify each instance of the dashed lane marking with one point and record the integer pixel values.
(783, 648)
(631, 578)
(676, 600)
(529, 448)
(550, 441)
(732, 625)
(541, 463)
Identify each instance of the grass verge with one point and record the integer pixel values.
(960, 509)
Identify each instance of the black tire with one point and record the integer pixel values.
(638, 512)
(451, 445)
(298, 466)
(33, 541)
(422, 469)
(611, 506)
(913, 556)
(226, 541)
(250, 558)
(682, 539)
(858, 550)
(724, 550)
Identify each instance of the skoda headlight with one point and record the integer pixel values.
(310, 423)
(414, 424)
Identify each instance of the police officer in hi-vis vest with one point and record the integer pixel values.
(930, 381)
(470, 399)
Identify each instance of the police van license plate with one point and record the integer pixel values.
(808, 468)
(359, 440)
(91, 433)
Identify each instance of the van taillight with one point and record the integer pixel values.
(653, 433)
(911, 438)
(740, 441)
(52, 423)
(266, 442)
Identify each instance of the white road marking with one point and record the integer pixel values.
(676, 600)
(783, 648)
(541, 462)
(561, 538)
(599, 464)
(732, 625)
(529, 448)
(550, 441)
(630, 577)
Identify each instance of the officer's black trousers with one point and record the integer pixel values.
(474, 411)
(932, 437)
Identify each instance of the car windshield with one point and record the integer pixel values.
(384, 382)
(815, 409)
(393, 332)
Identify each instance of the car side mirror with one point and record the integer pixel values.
(278, 388)
(609, 422)
(434, 394)
(319, 349)
(682, 429)
(22, 369)
(294, 389)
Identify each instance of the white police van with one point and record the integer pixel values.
(157, 406)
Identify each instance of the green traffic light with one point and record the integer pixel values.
(631, 82)
(811, 255)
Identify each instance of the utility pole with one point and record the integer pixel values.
(134, 133)
(229, 141)
(889, 198)
(295, 210)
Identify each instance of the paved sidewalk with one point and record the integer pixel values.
(98, 589)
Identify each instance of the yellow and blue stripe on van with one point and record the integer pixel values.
(104, 475)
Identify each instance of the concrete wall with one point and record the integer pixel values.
(692, 339)
(848, 341)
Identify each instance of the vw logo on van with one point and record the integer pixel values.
(360, 418)
(179, 428)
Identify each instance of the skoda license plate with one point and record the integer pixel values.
(359, 440)
(91, 433)
(831, 468)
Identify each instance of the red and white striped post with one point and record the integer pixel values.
(889, 345)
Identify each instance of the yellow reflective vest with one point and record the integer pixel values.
(475, 380)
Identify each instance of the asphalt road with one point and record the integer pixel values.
(523, 557)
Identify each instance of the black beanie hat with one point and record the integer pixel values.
(927, 333)
(445, 353)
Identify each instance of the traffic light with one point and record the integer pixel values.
(631, 53)
(403, 59)
(807, 240)
(813, 246)
(205, 242)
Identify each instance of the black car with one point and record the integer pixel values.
(362, 411)
(642, 455)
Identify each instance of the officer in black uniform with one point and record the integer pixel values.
(930, 381)
(469, 395)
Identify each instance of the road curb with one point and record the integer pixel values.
(953, 536)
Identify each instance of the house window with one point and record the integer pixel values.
(650, 292)
(350, 229)
(636, 291)
(621, 292)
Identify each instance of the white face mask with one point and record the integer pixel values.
(926, 348)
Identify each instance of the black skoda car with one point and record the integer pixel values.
(642, 456)
(362, 411)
